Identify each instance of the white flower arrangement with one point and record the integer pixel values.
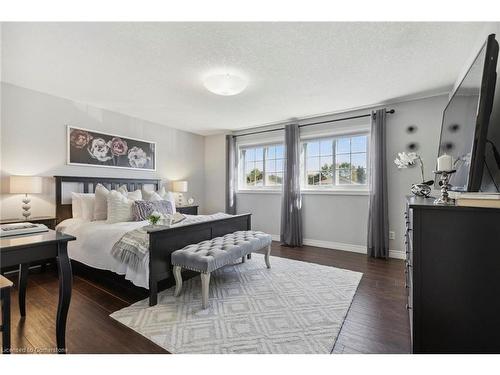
(405, 160)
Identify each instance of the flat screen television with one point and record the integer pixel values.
(470, 130)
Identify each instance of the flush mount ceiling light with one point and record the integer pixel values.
(225, 83)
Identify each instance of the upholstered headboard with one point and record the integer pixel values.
(64, 210)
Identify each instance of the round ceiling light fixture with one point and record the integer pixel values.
(226, 84)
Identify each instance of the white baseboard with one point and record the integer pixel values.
(397, 254)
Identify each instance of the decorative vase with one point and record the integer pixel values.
(422, 189)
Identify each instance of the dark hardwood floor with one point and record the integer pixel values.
(377, 321)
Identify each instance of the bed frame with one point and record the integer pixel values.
(162, 241)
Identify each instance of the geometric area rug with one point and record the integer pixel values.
(293, 307)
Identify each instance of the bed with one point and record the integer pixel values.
(95, 239)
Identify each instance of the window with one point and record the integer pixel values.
(335, 162)
(261, 166)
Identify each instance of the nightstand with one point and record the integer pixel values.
(48, 221)
(188, 210)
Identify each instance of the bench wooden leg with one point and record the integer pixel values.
(178, 280)
(268, 253)
(249, 256)
(205, 282)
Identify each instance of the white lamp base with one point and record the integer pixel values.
(26, 207)
(180, 199)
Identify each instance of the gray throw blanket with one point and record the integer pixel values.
(134, 245)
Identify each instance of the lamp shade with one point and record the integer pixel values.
(180, 186)
(25, 185)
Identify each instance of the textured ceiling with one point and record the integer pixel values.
(153, 70)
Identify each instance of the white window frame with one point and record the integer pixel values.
(241, 187)
(336, 189)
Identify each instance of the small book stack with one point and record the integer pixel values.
(488, 200)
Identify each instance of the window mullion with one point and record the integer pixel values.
(264, 158)
(334, 162)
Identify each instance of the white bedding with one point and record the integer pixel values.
(95, 239)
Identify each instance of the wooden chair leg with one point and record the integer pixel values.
(178, 280)
(5, 301)
(205, 282)
(268, 253)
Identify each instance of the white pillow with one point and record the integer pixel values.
(135, 195)
(168, 196)
(122, 189)
(161, 194)
(76, 205)
(151, 196)
(101, 203)
(82, 205)
(119, 207)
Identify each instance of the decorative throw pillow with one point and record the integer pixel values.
(135, 195)
(142, 209)
(159, 195)
(76, 206)
(101, 203)
(151, 195)
(119, 207)
(82, 205)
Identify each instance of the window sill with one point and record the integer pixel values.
(336, 192)
(309, 192)
(258, 191)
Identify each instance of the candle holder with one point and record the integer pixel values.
(445, 199)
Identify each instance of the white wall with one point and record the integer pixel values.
(339, 221)
(215, 174)
(33, 142)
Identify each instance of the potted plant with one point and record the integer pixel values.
(155, 218)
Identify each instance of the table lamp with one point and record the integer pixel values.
(180, 187)
(25, 185)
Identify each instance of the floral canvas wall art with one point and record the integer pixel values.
(92, 148)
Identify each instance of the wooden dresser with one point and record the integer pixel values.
(453, 277)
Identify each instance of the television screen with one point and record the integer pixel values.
(466, 119)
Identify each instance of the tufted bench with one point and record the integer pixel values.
(210, 255)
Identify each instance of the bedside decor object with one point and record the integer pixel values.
(444, 199)
(155, 217)
(25, 185)
(91, 148)
(190, 201)
(49, 221)
(444, 163)
(406, 160)
(180, 187)
(15, 229)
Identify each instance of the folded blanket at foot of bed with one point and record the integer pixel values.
(134, 245)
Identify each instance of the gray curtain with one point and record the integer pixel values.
(230, 175)
(291, 204)
(378, 221)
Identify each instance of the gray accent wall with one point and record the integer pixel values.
(33, 142)
(340, 221)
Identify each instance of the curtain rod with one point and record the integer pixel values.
(312, 123)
